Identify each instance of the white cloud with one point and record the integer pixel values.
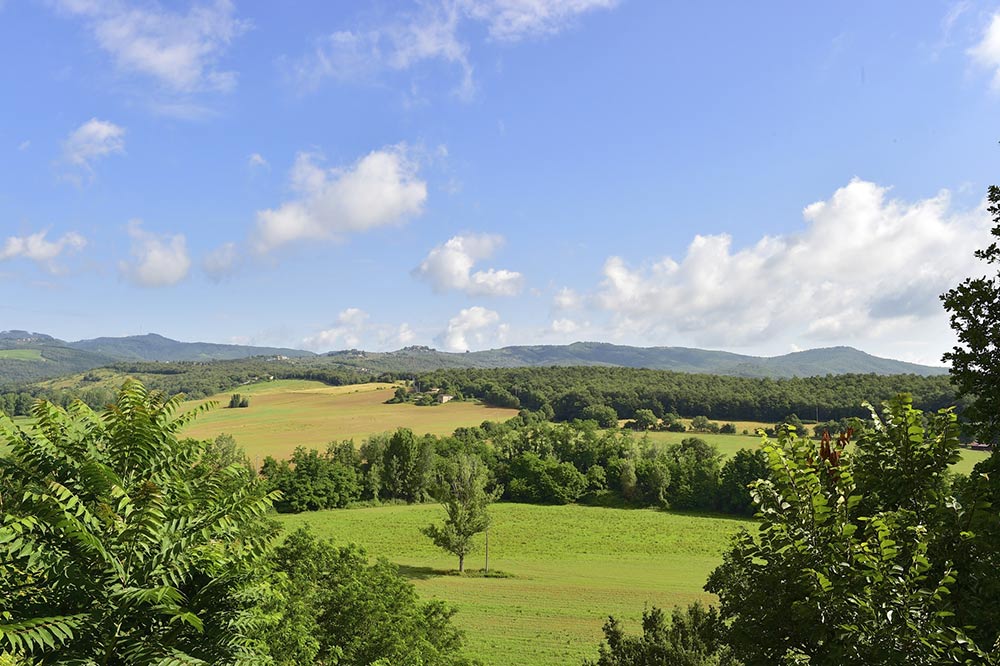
(90, 142)
(157, 260)
(221, 261)
(987, 52)
(256, 160)
(351, 325)
(567, 299)
(432, 34)
(864, 268)
(354, 329)
(564, 326)
(449, 266)
(179, 50)
(405, 335)
(24, 145)
(36, 248)
(381, 189)
(472, 327)
(512, 20)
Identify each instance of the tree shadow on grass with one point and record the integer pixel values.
(426, 573)
(421, 573)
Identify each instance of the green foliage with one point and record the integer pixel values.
(568, 391)
(846, 572)
(121, 545)
(603, 415)
(644, 419)
(974, 308)
(545, 480)
(406, 466)
(694, 467)
(735, 478)
(466, 502)
(239, 401)
(311, 481)
(694, 637)
(343, 610)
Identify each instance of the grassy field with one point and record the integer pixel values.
(22, 354)
(571, 567)
(289, 413)
(729, 444)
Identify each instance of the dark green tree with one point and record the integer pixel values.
(645, 419)
(737, 474)
(605, 416)
(974, 308)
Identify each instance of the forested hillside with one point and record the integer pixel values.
(570, 391)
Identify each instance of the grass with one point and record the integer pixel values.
(285, 414)
(22, 354)
(568, 568)
(728, 445)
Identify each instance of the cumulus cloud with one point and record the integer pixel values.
(986, 53)
(472, 327)
(256, 160)
(865, 267)
(157, 260)
(405, 334)
(221, 261)
(179, 50)
(381, 189)
(431, 33)
(354, 328)
(449, 267)
(567, 299)
(351, 324)
(564, 326)
(40, 250)
(92, 141)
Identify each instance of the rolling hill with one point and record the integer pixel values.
(831, 360)
(26, 357)
(153, 347)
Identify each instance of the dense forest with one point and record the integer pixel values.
(566, 393)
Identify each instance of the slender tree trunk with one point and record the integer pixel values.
(487, 567)
(461, 563)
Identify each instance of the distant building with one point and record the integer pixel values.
(444, 397)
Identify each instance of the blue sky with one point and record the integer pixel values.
(759, 177)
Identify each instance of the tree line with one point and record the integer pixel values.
(526, 459)
(567, 393)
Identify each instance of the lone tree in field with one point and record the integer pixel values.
(466, 501)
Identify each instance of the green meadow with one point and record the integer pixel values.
(285, 414)
(569, 566)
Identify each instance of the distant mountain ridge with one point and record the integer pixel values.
(28, 356)
(153, 347)
(830, 360)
